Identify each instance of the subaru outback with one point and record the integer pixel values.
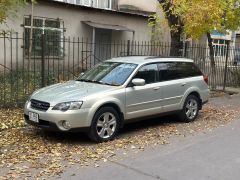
(118, 91)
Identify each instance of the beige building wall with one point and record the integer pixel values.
(140, 5)
(73, 17)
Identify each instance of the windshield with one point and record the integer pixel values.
(110, 73)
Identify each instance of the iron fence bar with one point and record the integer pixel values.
(43, 59)
(64, 48)
(17, 74)
(73, 46)
(11, 66)
(78, 55)
(68, 66)
(46, 55)
(52, 59)
(58, 64)
(23, 64)
(82, 55)
(4, 70)
(34, 65)
(225, 71)
(86, 60)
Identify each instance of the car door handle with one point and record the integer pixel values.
(183, 84)
(156, 88)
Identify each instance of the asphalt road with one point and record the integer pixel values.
(214, 156)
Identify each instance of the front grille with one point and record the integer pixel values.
(39, 105)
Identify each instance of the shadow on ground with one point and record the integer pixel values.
(129, 129)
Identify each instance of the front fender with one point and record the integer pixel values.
(98, 104)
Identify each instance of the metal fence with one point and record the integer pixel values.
(53, 60)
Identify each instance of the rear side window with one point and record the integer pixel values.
(189, 70)
(177, 70)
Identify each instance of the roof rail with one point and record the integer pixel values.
(155, 57)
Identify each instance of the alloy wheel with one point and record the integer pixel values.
(191, 108)
(106, 125)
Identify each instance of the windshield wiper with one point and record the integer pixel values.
(108, 84)
(97, 82)
(86, 80)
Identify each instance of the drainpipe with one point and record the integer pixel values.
(93, 46)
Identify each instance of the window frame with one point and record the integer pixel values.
(133, 77)
(93, 3)
(160, 70)
(43, 28)
(220, 49)
(181, 77)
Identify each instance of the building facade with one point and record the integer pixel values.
(96, 21)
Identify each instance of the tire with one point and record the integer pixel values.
(190, 109)
(105, 125)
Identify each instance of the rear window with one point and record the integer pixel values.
(177, 70)
(189, 70)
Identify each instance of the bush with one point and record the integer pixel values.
(16, 86)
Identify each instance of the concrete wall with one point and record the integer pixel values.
(72, 17)
(140, 5)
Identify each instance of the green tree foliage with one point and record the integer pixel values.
(9, 8)
(201, 17)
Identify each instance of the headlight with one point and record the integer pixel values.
(74, 105)
(28, 100)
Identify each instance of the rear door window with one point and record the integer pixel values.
(168, 71)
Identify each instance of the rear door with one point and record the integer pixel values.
(172, 85)
(176, 78)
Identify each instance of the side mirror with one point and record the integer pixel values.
(138, 82)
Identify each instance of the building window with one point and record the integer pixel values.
(220, 47)
(53, 30)
(101, 4)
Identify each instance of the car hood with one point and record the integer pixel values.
(69, 91)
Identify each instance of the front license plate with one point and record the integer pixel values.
(33, 117)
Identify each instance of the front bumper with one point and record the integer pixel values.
(51, 119)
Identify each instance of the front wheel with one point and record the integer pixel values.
(105, 125)
(190, 109)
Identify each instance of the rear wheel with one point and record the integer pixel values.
(105, 125)
(190, 109)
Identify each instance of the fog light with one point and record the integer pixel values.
(66, 125)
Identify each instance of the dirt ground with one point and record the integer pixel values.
(28, 153)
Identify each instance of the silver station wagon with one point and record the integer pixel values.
(117, 91)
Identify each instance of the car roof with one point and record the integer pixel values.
(148, 59)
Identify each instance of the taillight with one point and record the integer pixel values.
(205, 77)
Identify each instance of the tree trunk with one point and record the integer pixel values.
(212, 62)
(173, 20)
(176, 44)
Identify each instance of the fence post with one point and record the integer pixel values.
(128, 48)
(225, 70)
(43, 59)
